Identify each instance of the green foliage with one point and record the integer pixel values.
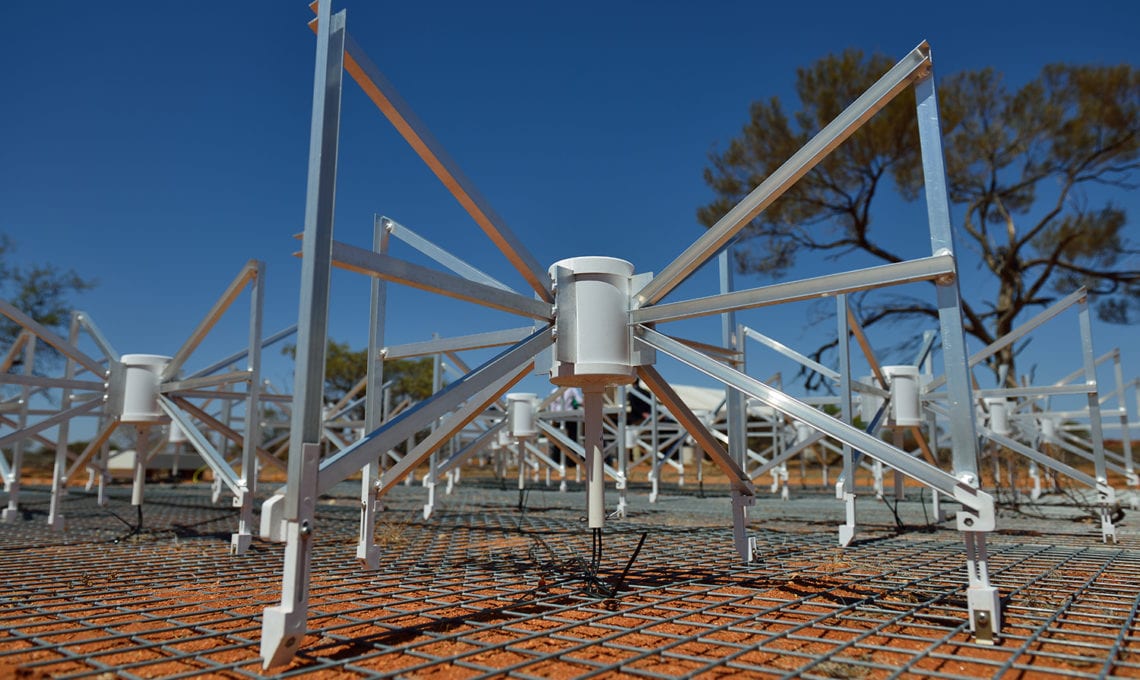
(1030, 172)
(345, 367)
(42, 291)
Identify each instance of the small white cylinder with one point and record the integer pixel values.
(1049, 428)
(141, 377)
(520, 415)
(999, 415)
(592, 344)
(803, 432)
(905, 406)
(176, 435)
(631, 438)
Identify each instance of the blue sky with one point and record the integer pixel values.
(159, 146)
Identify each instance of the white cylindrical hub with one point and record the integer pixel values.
(999, 415)
(1049, 428)
(142, 374)
(520, 415)
(803, 432)
(905, 406)
(592, 345)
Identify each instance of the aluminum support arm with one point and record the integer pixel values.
(247, 274)
(384, 95)
(242, 354)
(737, 478)
(1016, 334)
(94, 445)
(97, 336)
(912, 67)
(447, 429)
(978, 501)
(461, 343)
(205, 382)
(791, 353)
(41, 381)
(440, 255)
(225, 430)
(62, 346)
(202, 445)
(476, 445)
(922, 269)
(344, 463)
(48, 423)
(393, 269)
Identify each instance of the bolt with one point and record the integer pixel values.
(983, 617)
(306, 528)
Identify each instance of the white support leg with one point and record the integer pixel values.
(1106, 500)
(847, 529)
(142, 445)
(982, 598)
(595, 460)
(366, 549)
(1035, 479)
(283, 626)
(745, 544)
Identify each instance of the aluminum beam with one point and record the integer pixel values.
(48, 423)
(738, 479)
(913, 66)
(1016, 334)
(465, 342)
(344, 463)
(316, 267)
(62, 346)
(790, 353)
(441, 256)
(223, 303)
(202, 445)
(242, 354)
(206, 381)
(446, 429)
(400, 271)
(382, 93)
(922, 269)
(920, 471)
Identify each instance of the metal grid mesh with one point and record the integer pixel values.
(483, 590)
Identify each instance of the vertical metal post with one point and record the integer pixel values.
(284, 625)
(982, 598)
(734, 399)
(374, 396)
(251, 433)
(12, 512)
(222, 446)
(55, 514)
(1125, 437)
(1106, 496)
(963, 434)
(845, 489)
(433, 457)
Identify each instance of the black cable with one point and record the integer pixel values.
(134, 530)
